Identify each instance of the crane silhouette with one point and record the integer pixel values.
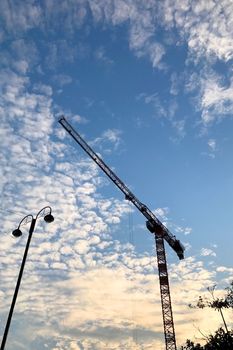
(154, 225)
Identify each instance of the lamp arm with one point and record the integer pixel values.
(43, 209)
(27, 216)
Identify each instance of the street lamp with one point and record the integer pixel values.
(17, 233)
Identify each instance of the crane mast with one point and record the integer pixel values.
(154, 225)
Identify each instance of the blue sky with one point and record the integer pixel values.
(149, 85)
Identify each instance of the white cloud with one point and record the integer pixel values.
(206, 25)
(161, 213)
(58, 265)
(179, 125)
(110, 136)
(156, 52)
(216, 100)
(62, 79)
(175, 82)
(21, 66)
(212, 144)
(207, 252)
(224, 269)
(165, 109)
(18, 17)
(24, 55)
(142, 28)
(213, 97)
(100, 55)
(212, 148)
(43, 89)
(184, 230)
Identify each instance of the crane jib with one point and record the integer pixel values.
(156, 226)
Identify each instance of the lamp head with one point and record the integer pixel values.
(48, 218)
(17, 233)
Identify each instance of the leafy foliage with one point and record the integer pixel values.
(191, 346)
(229, 296)
(221, 340)
(216, 303)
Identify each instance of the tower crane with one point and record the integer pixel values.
(154, 225)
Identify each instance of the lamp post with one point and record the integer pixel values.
(17, 233)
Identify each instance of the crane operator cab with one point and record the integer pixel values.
(175, 243)
(179, 249)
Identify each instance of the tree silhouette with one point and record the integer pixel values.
(218, 304)
(229, 296)
(223, 338)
